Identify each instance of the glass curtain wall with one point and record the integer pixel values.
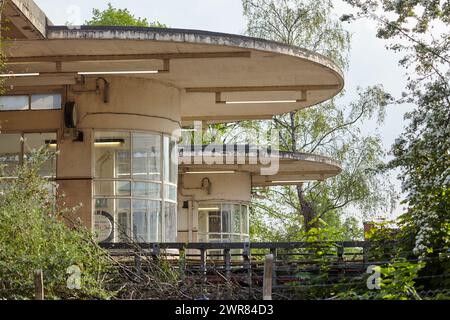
(223, 222)
(135, 187)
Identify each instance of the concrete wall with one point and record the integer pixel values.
(134, 104)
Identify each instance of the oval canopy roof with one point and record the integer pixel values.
(219, 74)
(292, 169)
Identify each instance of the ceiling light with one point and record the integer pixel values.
(51, 143)
(11, 75)
(262, 101)
(210, 172)
(209, 209)
(86, 73)
(109, 142)
(292, 181)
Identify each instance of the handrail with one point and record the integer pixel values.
(237, 245)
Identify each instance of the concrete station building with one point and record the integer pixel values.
(114, 100)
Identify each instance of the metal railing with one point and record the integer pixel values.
(246, 259)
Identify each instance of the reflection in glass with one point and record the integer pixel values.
(9, 153)
(146, 156)
(45, 101)
(170, 221)
(128, 168)
(112, 155)
(11, 103)
(33, 142)
(230, 223)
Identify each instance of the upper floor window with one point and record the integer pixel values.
(51, 101)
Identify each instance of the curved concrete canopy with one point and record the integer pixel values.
(293, 168)
(208, 67)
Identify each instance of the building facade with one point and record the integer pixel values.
(114, 101)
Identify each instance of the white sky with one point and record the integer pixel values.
(370, 62)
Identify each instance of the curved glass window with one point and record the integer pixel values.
(135, 187)
(223, 222)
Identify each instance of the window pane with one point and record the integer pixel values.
(245, 228)
(226, 217)
(123, 208)
(202, 222)
(173, 174)
(45, 101)
(112, 155)
(155, 221)
(236, 218)
(171, 192)
(140, 221)
(148, 190)
(146, 156)
(33, 142)
(146, 220)
(170, 218)
(104, 220)
(9, 153)
(9, 103)
(123, 188)
(214, 222)
(170, 160)
(104, 188)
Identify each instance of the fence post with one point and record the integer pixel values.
(203, 263)
(267, 282)
(227, 258)
(247, 263)
(38, 285)
(274, 252)
(340, 261)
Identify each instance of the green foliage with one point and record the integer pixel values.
(398, 280)
(304, 23)
(421, 31)
(119, 17)
(326, 129)
(34, 235)
(2, 57)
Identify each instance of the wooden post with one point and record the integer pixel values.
(247, 264)
(203, 261)
(267, 282)
(227, 258)
(340, 261)
(274, 252)
(38, 285)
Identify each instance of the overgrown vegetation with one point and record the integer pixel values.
(34, 235)
(420, 31)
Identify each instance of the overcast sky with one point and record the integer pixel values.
(370, 62)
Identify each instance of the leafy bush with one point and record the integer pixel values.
(34, 235)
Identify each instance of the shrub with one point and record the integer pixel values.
(34, 235)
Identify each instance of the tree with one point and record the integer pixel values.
(421, 31)
(119, 17)
(326, 128)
